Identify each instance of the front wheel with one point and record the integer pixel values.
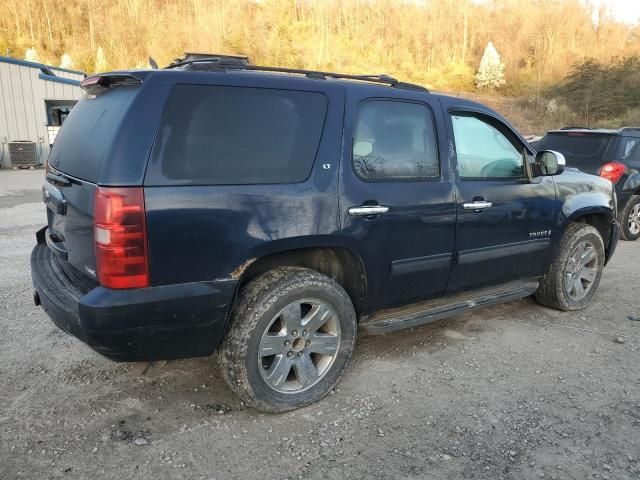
(574, 275)
(292, 335)
(630, 219)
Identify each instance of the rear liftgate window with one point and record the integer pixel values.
(234, 135)
(90, 132)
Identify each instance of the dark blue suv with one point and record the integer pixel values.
(267, 213)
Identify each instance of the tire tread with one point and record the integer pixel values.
(550, 293)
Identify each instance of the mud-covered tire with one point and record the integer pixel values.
(259, 302)
(631, 209)
(553, 286)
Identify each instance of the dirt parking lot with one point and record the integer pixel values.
(516, 392)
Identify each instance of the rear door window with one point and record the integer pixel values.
(218, 135)
(395, 140)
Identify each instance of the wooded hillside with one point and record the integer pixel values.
(436, 42)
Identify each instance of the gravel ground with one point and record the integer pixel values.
(516, 392)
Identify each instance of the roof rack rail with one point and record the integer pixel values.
(223, 63)
(191, 57)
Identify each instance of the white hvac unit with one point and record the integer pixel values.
(23, 154)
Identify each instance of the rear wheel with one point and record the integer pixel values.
(574, 275)
(292, 334)
(630, 219)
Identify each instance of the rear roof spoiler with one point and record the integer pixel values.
(97, 84)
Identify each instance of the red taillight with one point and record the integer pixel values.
(612, 171)
(121, 237)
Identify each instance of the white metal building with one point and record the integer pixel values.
(35, 99)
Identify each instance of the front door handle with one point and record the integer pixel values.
(366, 210)
(477, 205)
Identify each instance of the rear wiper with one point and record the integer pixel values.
(56, 178)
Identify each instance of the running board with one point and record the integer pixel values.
(432, 310)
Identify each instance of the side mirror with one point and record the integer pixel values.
(549, 162)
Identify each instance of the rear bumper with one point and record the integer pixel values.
(156, 323)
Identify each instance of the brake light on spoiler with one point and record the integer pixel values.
(121, 237)
(98, 84)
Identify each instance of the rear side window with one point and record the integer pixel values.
(89, 133)
(629, 151)
(236, 135)
(394, 141)
(627, 146)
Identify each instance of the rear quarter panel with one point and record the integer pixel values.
(203, 233)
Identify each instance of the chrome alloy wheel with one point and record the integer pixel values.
(581, 270)
(299, 346)
(634, 220)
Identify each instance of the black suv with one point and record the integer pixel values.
(612, 154)
(268, 213)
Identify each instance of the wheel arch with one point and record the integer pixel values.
(601, 218)
(337, 262)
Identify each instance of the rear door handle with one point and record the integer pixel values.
(477, 205)
(366, 210)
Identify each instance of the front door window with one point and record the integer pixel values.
(483, 151)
